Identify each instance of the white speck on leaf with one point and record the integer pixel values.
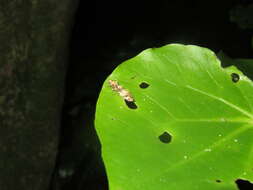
(208, 150)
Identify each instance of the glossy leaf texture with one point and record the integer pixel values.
(189, 124)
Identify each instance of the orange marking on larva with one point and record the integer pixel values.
(125, 94)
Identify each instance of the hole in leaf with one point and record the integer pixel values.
(144, 85)
(243, 184)
(165, 137)
(218, 180)
(131, 104)
(235, 77)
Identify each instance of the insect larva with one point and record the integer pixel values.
(125, 94)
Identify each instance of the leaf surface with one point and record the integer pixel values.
(190, 125)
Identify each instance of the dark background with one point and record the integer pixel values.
(105, 33)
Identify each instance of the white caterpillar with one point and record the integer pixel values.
(125, 94)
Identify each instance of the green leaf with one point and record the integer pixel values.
(190, 126)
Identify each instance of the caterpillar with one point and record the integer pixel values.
(125, 94)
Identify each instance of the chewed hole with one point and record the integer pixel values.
(165, 137)
(218, 180)
(235, 77)
(131, 104)
(243, 184)
(144, 85)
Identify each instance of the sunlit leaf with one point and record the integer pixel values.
(188, 126)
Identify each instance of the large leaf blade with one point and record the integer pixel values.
(192, 98)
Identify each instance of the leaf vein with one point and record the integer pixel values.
(221, 100)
